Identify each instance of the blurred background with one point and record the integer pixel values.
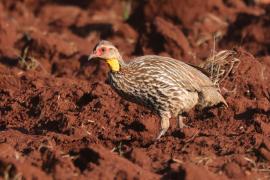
(67, 29)
(60, 119)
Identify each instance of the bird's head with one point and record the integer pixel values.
(106, 51)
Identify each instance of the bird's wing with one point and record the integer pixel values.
(173, 70)
(200, 69)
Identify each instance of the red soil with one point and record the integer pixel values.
(62, 120)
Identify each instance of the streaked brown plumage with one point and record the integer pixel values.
(168, 86)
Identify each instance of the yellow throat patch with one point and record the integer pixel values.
(114, 64)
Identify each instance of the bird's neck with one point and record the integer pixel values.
(115, 64)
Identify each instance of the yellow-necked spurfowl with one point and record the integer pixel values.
(166, 85)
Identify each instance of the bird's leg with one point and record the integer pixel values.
(165, 124)
(181, 123)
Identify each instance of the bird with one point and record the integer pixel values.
(169, 87)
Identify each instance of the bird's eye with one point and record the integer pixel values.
(103, 49)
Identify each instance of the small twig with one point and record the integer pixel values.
(90, 121)
(189, 140)
(251, 161)
(264, 170)
(118, 149)
(177, 161)
(204, 160)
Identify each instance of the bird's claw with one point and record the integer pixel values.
(183, 125)
(162, 132)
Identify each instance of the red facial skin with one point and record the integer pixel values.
(101, 51)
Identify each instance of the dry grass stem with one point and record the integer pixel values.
(220, 64)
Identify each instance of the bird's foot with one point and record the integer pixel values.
(162, 132)
(165, 123)
(181, 123)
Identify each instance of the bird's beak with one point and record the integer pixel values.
(91, 56)
(95, 54)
